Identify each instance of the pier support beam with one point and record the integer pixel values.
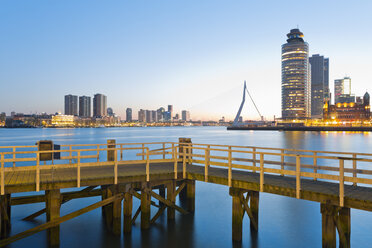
(5, 214)
(162, 194)
(116, 211)
(344, 227)
(145, 206)
(254, 204)
(329, 212)
(237, 214)
(127, 209)
(171, 196)
(335, 218)
(52, 206)
(190, 194)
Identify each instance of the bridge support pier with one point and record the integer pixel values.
(52, 206)
(171, 190)
(5, 214)
(237, 214)
(145, 206)
(162, 194)
(190, 195)
(116, 211)
(335, 218)
(254, 204)
(127, 210)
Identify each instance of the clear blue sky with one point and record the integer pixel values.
(192, 54)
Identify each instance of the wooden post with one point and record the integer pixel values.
(2, 175)
(52, 206)
(261, 172)
(237, 214)
(127, 209)
(254, 204)
(315, 162)
(298, 177)
(182, 153)
(171, 189)
(341, 182)
(163, 150)
(107, 210)
(145, 206)
(78, 170)
(143, 151)
(229, 173)
(254, 158)
(111, 143)
(14, 156)
(98, 153)
(175, 163)
(354, 168)
(190, 191)
(206, 165)
(147, 165)
(282, 160)
(329, 212)
(116, 211)
(5, 214)
(37, 171)
(345, 226)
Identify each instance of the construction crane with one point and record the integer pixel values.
(236, 120)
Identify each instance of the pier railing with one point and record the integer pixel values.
(338, 167)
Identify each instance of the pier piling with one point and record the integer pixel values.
(53, 205)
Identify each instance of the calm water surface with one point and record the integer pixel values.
(283, 221)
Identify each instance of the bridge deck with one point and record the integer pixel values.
(326, 192)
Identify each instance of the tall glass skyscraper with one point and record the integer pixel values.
(71, 105)
(296, 79)
(319, 84)
(84, 106)
(99, 105)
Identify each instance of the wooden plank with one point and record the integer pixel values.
(167, 202)
(58, 220)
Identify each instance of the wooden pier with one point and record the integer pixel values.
(156, 173)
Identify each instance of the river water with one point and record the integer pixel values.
(283, 221)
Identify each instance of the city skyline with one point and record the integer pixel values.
(149, 61)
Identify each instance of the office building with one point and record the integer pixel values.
(141, 115)
(71, 105)
(110, 112)
(149, 116)
(185, 115)
(160, 114)
(170, 110)
(129, 115)
(84, 106)
(296, 84)
(319, 84)
(342, 89)
(99, 105)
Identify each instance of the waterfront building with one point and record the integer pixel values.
(348, 111)
(129, 115)
(63, 120)
(160, 114)
(319, 84)
(167, 116)
(154, 116)
(185, 115)
(85, 106)
(99, 105)
(110, 112)
(170, 110)
(342, 87)
(141, 115)
(71, 105)
(149, 116)
(296, 78)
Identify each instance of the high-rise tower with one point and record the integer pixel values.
(99, 105)
(71, 105)
(84, 106)
(319, 84)
(296, 87)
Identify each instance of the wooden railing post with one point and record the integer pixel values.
(298, 176)
(172, 150)
(121, 152)
(37, 171)
(182, 151)
(184, 164)
(282, 161)
(98, 153)
(70, 153)
(2, 174)
(355, 175)
(261, 172)
(341, 179)
(206, 165)
(163, 150)
(230, 168)
(78, 169)
(315, 162)
(143, 151)
(147, 164)
(116, 166)
(14, 156)
(175, 161)
(254, 158)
